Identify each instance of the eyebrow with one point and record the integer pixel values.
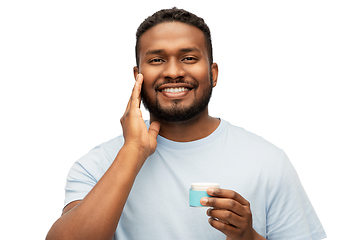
(183, 50)
(157, 51)
(186, 50)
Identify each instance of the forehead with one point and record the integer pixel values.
(172, 36)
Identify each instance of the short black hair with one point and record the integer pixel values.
(174, 15)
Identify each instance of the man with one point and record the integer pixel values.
(136, 185)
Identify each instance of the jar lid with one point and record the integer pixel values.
(204, 186)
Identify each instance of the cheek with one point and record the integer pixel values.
(200, 73)
(150, 76)
(200, 69)
(148, 85)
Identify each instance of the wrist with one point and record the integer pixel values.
(257, 236)
(133, 155)
(136, 149)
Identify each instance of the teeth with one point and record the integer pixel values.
(175, 90)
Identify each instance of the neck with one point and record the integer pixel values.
(193, 129)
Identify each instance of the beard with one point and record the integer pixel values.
(177, 112)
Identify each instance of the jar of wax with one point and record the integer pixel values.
(198, 191)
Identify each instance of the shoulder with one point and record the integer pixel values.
(253, 151)
(108, 148)
(99, 159)
(246, 139)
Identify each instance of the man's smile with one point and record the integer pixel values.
(175, 90)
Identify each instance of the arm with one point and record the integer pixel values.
(97, 215)
(230, 214)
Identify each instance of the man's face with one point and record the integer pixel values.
(177, 75)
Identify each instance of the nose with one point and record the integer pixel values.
(173, 69)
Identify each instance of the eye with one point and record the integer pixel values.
(189, 59)
(156, 61)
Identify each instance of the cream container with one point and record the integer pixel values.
(198, 191)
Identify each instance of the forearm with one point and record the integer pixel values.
(97, 215)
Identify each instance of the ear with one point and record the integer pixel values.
(136, 72)
(215, 72)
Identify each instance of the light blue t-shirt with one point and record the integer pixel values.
(158, 205)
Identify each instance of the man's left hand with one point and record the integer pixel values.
(230, 214)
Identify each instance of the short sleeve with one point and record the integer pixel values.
(87, 171)
(79, 182)
(290, 213)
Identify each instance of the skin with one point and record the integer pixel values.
(230, 214)
(96, 216)
(163, 59)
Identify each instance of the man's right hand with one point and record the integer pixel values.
(134, 129)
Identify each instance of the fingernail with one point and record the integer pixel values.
(204, 201)
(208, 212)
(210, 191)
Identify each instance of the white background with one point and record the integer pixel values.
(289, 72)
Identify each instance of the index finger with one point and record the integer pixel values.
(225, 193)
(135, 98)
